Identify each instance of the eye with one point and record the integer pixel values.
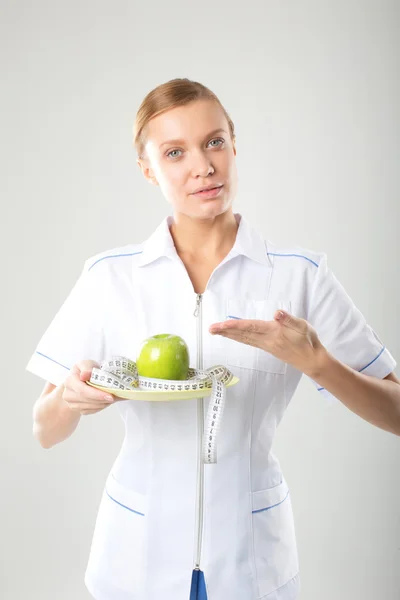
(170, 153)
(217, 140)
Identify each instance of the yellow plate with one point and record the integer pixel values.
(158, 396)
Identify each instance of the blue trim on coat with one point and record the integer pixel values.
(366, 366)
(269, 507)
(113, 256)
(298, 255)
(52, 360)
(123, 505)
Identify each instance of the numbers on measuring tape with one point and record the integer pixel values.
(121, 373)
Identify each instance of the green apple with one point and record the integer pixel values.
(163, 356)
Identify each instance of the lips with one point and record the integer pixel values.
(207, 189)
(210, 193)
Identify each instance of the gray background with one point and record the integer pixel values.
(313, 89)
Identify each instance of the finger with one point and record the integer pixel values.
(295, 323)
(86, 392)
(99, 398)
(249, 325)
(254, 339)
(77, 405)
(83, 368)
(85, 375)
(75, 370)
(92, 393)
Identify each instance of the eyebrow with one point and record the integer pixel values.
(180, 141)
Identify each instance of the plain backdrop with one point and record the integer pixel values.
(313, 90)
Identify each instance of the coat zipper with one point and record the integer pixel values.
(200, 428)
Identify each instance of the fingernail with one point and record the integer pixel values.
(109, 398)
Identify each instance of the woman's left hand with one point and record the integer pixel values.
(289, 338)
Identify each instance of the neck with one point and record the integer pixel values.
(204, 239)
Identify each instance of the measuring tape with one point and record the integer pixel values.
(121, 373)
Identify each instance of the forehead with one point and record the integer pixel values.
(191, 121)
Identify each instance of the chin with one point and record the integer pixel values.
(212, 207)
(204, 209)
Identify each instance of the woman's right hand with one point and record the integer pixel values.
(79, 396)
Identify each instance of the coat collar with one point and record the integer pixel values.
(248, 243)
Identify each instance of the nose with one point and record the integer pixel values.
(201, 165)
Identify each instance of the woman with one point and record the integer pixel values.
(170, 526)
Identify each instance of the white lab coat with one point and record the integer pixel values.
(147, 534)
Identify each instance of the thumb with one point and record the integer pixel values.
(281, 315)
(290, 321)
(84, 375)
(84, 368)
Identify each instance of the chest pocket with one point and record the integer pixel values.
(244, 355)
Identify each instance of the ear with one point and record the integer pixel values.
(147, 170)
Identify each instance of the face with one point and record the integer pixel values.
(202, 154)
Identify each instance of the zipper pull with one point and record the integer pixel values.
(198, 300)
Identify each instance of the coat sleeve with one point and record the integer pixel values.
(76, 331)
(343, 330)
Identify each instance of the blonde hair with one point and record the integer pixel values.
(173, 93)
